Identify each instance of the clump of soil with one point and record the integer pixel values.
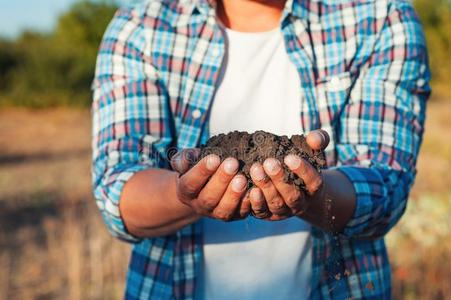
(260, 145)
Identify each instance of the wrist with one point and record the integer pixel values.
(333, 206)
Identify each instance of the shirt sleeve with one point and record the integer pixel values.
(128, 113)
(381, 127)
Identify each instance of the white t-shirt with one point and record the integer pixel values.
(252, 258)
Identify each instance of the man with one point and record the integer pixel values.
(172, 73)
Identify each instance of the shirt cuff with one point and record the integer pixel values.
(108, 195)
(370, 192)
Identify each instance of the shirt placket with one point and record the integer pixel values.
(194, 130)
(200, 93)
(298, 53)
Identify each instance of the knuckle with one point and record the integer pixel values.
(316, 184)
(293, 198)
(203, 171)
(303, 168)
(277, 207)
(186, 187)
(276, 203)
(208, 202)
(264, 184)
(235, 194)
(184, 199)
(197, 209)
(222, 178)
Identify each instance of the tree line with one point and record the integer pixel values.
(56, 69)
(41, 70)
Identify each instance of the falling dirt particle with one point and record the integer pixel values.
(337, 276)
(347, 273)
(369, 286)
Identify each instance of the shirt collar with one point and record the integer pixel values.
(296, 8)
(304, 10)
(300, 9)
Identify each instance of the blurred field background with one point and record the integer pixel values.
(53, 244)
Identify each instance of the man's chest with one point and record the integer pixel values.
(328, 55)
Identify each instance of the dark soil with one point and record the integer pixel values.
(258, 146)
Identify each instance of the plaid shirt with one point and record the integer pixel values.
(364, 79)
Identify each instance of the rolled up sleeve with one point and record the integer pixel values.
(129, 116)
(381, 127)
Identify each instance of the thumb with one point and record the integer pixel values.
(184, 160)
(318, 139)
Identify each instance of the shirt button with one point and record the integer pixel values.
(335, 82)
(196, 114)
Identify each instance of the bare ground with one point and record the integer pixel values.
(53, 244)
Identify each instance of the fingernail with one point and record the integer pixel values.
(213, 162)
(292, 161)
(177, 155)
(272, 166)
(189, 156)
(325, 135)
(239, 184)
(257, 172)
(230, 166)
(321, 133)
(175, 160)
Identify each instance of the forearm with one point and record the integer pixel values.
(334, 207)
(149, 205)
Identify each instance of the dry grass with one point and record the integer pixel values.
(53, 244)
(420, 245)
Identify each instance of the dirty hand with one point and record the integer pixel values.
(211, 188)
(272, 198)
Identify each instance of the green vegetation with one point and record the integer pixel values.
(436, 18)
(38, 70)
(56, 69)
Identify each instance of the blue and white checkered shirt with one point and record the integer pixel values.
(364, 79)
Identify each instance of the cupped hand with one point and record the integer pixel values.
(211, 188)
(272, 198)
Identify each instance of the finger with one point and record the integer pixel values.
(183, 160)
(318, 139)
(194, 180)
(289, 192)
(312, 179)
(245, 207)
(274, 201)
(213, 191)
(258, 204)
(230, 202)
